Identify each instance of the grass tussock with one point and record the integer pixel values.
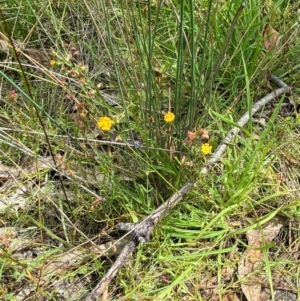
(107, 108)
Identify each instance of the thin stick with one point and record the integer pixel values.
(141, 231)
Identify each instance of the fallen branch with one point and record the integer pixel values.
(141, 231)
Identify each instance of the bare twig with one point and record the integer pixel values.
(141, 233)
(142, 230)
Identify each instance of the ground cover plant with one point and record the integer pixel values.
(111, 108)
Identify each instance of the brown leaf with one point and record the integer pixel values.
(36, 56)
(248, 269)
(230, 297)
(271, 38)
(289, 158)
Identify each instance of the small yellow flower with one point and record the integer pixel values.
(105, 123)
(52, 62)
(82, 115)
(206, 148)
(169, 117)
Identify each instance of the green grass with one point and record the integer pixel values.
(134, 61)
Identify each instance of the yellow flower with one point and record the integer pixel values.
(169, 117)
(52, 62)
(206, 148)
(105, 123)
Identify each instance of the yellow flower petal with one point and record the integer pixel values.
(206, 148)
(169, 117)
(105, 123)
(52, 62)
